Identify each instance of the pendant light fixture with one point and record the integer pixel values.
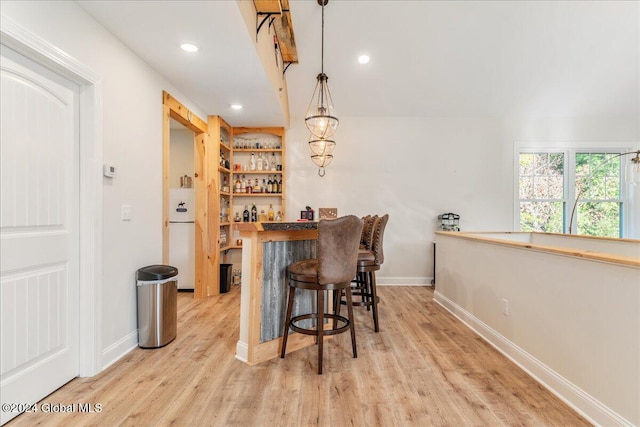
(632, 173)
(321, 152)
(321, 118)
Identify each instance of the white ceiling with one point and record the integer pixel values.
(440, 58)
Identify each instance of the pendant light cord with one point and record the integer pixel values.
(321, 170)
(322, 42)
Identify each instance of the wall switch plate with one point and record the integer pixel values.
(126, 212)
(506, 310)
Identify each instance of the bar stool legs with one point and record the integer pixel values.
(350, 314)
(287, 320)
(365, 287)
(372, 293)
(320, 332)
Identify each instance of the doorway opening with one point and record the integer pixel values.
(182, 204)
(173, 109)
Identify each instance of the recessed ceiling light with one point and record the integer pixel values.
(236, 106)
(188, 47)
(363, 59)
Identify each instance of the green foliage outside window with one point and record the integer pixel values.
(597, 181)
(542, 192)
(542, 196)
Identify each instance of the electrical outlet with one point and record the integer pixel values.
(505, 307)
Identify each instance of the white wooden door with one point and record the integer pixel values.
(39, 217)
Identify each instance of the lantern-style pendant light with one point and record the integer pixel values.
(321, 117)
(321, 152)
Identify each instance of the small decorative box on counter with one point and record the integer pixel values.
(307, 214)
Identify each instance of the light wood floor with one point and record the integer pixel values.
(424, 368)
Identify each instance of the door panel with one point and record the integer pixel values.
(39, 220)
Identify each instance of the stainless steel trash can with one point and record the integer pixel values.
(157, 294)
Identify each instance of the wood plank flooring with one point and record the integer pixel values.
(424, 368)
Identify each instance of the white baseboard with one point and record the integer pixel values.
(403, 281)
(119, 349)
(242, 351)
(586, 405)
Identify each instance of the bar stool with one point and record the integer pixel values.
(338, 242)
(358, 287)
(369, 261)
(367, 231)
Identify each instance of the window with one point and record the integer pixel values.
(550, 182)
(542, 192)
(597, 183)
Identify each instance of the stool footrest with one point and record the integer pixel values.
(327, 316)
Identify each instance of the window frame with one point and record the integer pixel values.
(569, 189)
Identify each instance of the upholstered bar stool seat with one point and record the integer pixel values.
(338, 242)
(307, 269)
(366, 257)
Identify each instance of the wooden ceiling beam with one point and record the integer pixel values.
(283, 26)
(286, 37)
(265, 7)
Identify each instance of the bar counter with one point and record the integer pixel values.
(267, 250)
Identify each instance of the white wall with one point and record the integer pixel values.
(574, 325)
(132, 141)
(415, 168)
(181, 155)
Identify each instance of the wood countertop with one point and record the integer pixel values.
(558, 250)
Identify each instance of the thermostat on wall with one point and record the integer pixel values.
(109, 171)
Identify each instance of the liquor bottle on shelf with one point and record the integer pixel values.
(260, 162)
(279, 216)
(223, 237)
(272, 163)
(245, 214)
(243, 185)
(263, 187)
(254, 213)
(252, 162)
(256, 186)
(237, 217)
(225, 185)
(280, 185)
(238, 185)
(270, 185)
(223, 210)
(270, 213)
(263, 216)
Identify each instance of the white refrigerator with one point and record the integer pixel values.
(182, 235)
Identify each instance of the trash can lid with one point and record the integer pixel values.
(156, 272)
